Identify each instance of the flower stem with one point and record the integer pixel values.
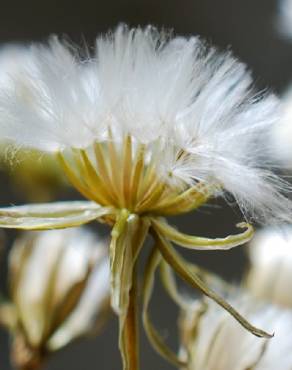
(130, 342)
(23, 357)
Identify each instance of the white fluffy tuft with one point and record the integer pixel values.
(173, 94)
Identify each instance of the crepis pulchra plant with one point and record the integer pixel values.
(150, 126)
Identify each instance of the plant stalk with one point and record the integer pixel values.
(131, 330)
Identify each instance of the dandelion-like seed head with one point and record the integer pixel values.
(149, 123)
(146, 126)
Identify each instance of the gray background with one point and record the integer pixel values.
(247, 26)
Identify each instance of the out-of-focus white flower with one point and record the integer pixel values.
(270, 274)
(215, 341)
(59, 283)
(35, 174)
(284, 18)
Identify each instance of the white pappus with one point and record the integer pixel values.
(193, 108)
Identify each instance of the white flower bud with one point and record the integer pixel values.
(59, 281)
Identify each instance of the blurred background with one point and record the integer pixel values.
(248, 28)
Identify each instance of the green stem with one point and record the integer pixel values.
(128, 236)
(130, 335)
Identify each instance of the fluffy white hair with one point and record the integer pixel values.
(172, 94)
(220, 343)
